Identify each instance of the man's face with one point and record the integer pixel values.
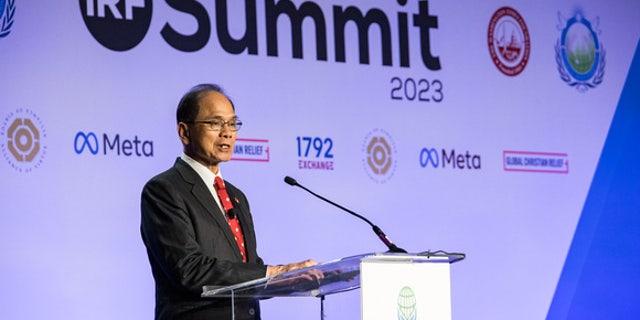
(203, 144)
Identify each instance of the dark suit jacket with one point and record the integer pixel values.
(189, 245)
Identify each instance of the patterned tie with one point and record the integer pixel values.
(233, 222)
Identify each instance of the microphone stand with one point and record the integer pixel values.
(392, 247)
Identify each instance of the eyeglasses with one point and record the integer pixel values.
(217, 124)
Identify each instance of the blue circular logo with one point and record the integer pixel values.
(580, 55)
(580, 48)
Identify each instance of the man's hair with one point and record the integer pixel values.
(189, 105)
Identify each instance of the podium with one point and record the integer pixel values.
(394, 285)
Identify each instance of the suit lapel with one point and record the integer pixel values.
(202, 194)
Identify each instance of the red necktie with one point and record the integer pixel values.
(234, 223)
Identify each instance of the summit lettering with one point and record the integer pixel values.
(342, 19)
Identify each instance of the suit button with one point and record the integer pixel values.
(252, 311)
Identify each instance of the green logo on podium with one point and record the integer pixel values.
(407, 304)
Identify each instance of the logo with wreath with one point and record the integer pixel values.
(7, 10)
(580, 55)
(379, 155)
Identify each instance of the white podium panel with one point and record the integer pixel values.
(394, 285)
(405, 288)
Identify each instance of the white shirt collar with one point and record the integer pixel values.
(205, 174)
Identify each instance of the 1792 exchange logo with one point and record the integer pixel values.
(579, 53)
(22, 141)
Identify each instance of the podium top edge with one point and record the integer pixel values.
(427, 256)
(342, 275)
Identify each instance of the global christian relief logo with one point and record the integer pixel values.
(7, 10)
(256, 150)
(22, 143)
(579, 53)
(509, 42)
(379, 153)
(530, 161)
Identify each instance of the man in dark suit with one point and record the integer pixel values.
(193, 236)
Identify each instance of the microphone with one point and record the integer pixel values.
(392, 247)
(231, 214)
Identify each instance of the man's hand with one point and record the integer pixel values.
(276, 270)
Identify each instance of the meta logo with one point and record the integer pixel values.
(117, 24)
(122, 24)
(89, 142)
(431, 157)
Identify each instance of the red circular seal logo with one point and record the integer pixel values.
(509, 42)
